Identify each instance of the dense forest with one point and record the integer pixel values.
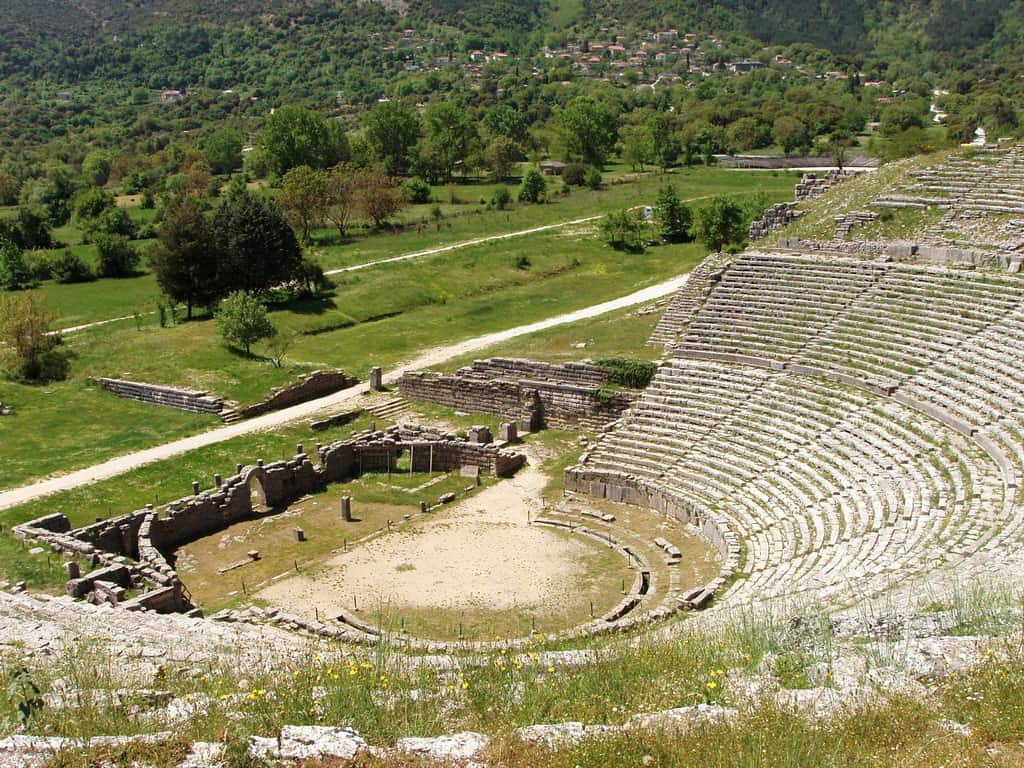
(150, 85)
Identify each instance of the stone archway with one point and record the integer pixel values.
(257, 493)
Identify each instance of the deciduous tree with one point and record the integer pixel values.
(304, 198)
(242, 321)
(295, 136)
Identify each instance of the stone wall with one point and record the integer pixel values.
(774, 219)
(631, 490)
(136, 550)
(531, 393)
(902, 251)
(157, 394)
(309, 387)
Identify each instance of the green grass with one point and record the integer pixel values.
(374, 317)
(372, 693)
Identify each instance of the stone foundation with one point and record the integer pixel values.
(308, 387)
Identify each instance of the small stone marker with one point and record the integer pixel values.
(423, 507)
(507, 432)
(346, 508)
(254, 554)
(447, 498)
(469, 470)
(238, 469)
(480, 434)
(72, 570)
(299, 534)
(376, 379)
(218, 481)
(195, 488)
(298, 449)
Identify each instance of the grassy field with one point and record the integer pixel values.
(467, 220)
(374, 317)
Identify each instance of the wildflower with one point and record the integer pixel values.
(712, 685)
(551, 670)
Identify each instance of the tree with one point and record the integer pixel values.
(449, 135)
(258, 248)
(721, 223)
(501, 156)
(624, 230)
(15, 274)
(90, 204)
(664, 141)
(534, 187)
(96, 167)
(674, 216)
(279, 345)
(9, 188)
(391, 131)
(505, 120)
(32, 352)
(295, 136)
(587, 128)
(242, 321)
(223, 150)
(116, 255)
(377, 197)
(789, 133)
(304, 198)
(341, 198)
(185, 257)
(637, 146)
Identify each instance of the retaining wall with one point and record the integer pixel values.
(157, 394)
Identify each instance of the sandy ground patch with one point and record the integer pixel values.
(482, 554)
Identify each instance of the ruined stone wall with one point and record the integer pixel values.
(446, 455)
(150, 538)
(170, 397)
(309, 387)
(581, 374)
(531, 393)
(466, 394)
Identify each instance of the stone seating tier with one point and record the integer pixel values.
(852, 422)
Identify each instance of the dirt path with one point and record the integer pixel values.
(431, 357)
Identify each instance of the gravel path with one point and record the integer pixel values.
(432, 357)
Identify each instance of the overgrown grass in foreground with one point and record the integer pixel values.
(384, 698)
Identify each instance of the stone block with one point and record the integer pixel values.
(376, 379)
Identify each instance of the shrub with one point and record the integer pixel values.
(592, 178)
(574, 174)
(533, 188)
(522, 261)
(32, 353)
(502, 198)
(117, 256)
(69, 267)
(624, 231)
(636, 374)
(15, 273)
(418, 191)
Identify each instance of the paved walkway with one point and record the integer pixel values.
(432, 357)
